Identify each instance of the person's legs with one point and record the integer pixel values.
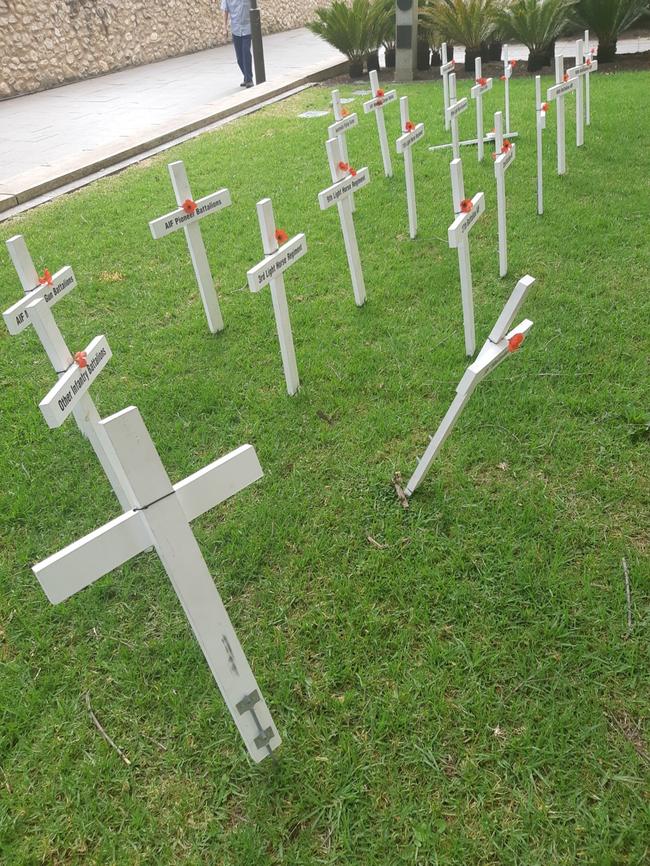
(247, 60)
(237, 42)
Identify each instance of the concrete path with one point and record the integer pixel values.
(51, 138)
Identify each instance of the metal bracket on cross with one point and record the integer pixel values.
(503, 340)
(467, 213)
(564, 85)
(35, 309)
(585, 66)
(162, 517)
(186, 217)
(540, 121)
(504, 154)
(270, 271)
(482, 86)
(379, 100)
(346, 181)
(344, 121)
(411, 132)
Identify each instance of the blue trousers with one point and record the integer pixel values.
(243, 51)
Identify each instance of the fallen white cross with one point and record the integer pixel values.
(280, 253)
(161, 517)
(35, 309)
(412, 132)
(504, 154)
(467, 213)
(346, 181)
(503, 340)
(187, 217)
(559, 90)
(379, 99)
(540, 120)
(482, 86)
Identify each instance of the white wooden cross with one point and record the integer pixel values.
(280, 253)
(162, 518)
(504, 154)
(588, 55)
(540, 114)
(583, 69)
(445, 70)
(456, 107)
(379, 99)
(563, 85)
(186, 217)
(411, 132)
(507, 74)
(41, 293)
(482, 86)
(503, 340)
(344, 121)
(467, 213)
(345, 181)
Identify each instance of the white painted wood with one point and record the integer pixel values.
(404, 144)
(540, 120)
(343, 188)
(277, 262)
(557, 93)
(507, 73)
(498, 133)
(218, 481)
(580, 117)
(377, 104)
(477, 95)
(343, 198)
(338, 130)
(504, 159)
(490, 356)
(23, 263)
(177, 219)
(464, 222)
(445, 69)
(511, 308)
(161, 520)
(587, 55)
(456, 107)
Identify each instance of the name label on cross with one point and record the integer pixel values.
(379, 101)
(562, 88)
(17, 316)
(342, 125)
(343, 188)
(179, 218)
(457, 108)
(447, 67)
(59, 402)
(464, 221)
(480, 89)
(273, 265)
(409, 138)
(583, 68)
(504, 159)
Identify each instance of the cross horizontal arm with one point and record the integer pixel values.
(511, 308)
(180, 218)
(491, 356)
(342, 188)
(17, 316)
(275, 263)
(379, 101)
(457, 108)
(464, 221)
(342, 125)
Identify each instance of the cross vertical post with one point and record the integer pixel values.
(344, 121)
(504, 158)
(587, 55)
(161, 517)
(411, 133)
(270, 272)
(456, 107)
(376, 104)
(564, 84)
(482, 85)
(507, 72)
(446, 68)
(580, 117)
(187, 217)
(540, 118)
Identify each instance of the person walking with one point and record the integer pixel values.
(240, 25)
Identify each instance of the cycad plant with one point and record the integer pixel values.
(535, 23)
(466, 22)
(354, 30)
(607, 19)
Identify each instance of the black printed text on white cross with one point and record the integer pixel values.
(340, 194)
(411, 132)
(503, 340)
(504, 158)
(458, 234)
(270, 271)
(482, 86)
(162, 518)
(376, 104)
(557, 92)
(35, 309)
(344, 121)
(187, 216)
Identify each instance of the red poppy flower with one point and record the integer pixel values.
(565, 77)
(281, 236)
(544, 106)
(81, 359)
(344, 112)
(46, 278)
(466, 205)
(592, 50)
(515, 342)
(353, 171)
(512, 63)
(507, 144)
(409, 126)
(379, 92)
(482, 81)
(343, 166)
(588, 61)
(502, 78)
(189, 206)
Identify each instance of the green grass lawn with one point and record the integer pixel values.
(464, 691)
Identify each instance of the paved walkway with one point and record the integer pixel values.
(50, 138)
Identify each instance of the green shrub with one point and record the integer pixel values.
(536, 24)
(607, 19)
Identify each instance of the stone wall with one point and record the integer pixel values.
(48, 42)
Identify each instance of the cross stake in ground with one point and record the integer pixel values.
(467, 213)
(412, 132)
(504, 157)
(376, 104)
(540, 120)
(187, 217)
(558, 92)
(162, 518)
(346, 181)
(270, 271)
(344, 121)
(482, 86)
(501, 342)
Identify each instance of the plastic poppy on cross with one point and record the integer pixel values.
(189, 206)
(81, 359)
(409, 126)
(466, 205)
(45, 279)
(515, 342)
(281, 236)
